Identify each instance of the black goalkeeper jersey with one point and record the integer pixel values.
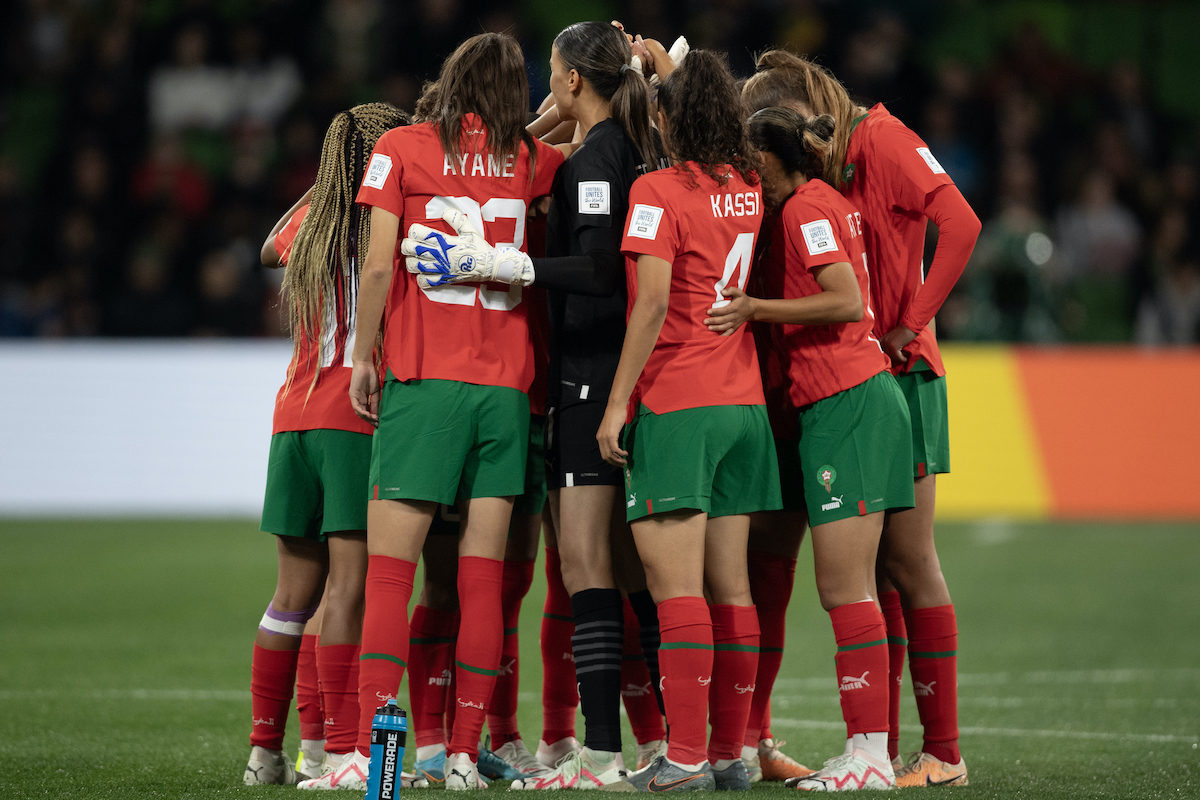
(587, 218)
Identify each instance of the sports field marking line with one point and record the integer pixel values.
(823, 725)
(1040, 677)
(831, 698)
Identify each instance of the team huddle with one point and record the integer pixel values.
(672, 321)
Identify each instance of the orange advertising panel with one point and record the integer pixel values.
(1118, 429)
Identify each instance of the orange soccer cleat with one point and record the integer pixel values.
(777, 765)
(922, 769)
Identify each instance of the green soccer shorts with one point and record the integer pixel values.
(717, 459)
(532, 501)
(439, 440)
(855, 452)
(315, 483)
(925, 392)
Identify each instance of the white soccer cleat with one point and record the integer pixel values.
(310, 761)
(349, 774)
(517, 756)
(583, 770)
(268, 768)
(550, 754)
(857, 769)
(647, 752)
(462, 774)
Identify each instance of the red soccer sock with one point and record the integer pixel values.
(735, 665)
(502, 713)
(477, 656)
(384, 652)
(897, 638)
(308, 691)
(338, 666)
(933, 663)
(862, 666)
(771, 579)
(636, 689)
(560, 697)
(685, 657)
(272, 676)
(431, 635)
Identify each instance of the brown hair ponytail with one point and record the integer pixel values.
(600, 53)
(785, 79)
(801, 145)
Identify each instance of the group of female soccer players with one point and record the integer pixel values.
(722, 337)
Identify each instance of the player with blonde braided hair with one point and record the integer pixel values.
(320, 452)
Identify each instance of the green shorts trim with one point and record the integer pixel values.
(925, 392)
(315, 482)
(532, 501)
(717, 459)
(855, 452)
(439, 440)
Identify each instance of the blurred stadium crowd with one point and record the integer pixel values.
(147, 146)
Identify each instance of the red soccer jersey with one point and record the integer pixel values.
(772, 360)
(817, 227)
(889, 172)
(474, 333)
(328, 406)
(707, 233)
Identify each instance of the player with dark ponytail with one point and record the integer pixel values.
(697, 454)
(854, 445)
(890, 175)
(593, 86)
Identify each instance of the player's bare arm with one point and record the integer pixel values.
(373, 287)
(645, 323)
(267, 254)
(840, 300)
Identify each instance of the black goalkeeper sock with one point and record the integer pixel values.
(597, 646)
(647, 614)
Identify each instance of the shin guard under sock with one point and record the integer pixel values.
(559, 694)
(735, 665)
(862, 666)
(384, 652)
(502, 712)
(771, 579)
(647, 614)
(597, 643)
(308, 691)
(272, 678)
(933, 663)
(897, 638)
(431, 635)
(338, 666)
(477, 652)
(686, 658)
(637, 689)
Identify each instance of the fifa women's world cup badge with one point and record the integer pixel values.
(827, 475)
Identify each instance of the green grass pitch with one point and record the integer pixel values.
(125, 660)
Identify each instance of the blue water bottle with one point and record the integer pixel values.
(389, 730)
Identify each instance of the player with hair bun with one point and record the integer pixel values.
(889, 174)
(458, 360)
(697, 454)
(854, 448)
(320, 453)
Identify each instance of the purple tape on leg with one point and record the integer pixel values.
(286, 623)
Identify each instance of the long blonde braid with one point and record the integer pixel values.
(332, 242)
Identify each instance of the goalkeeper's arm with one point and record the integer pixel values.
(599, 273)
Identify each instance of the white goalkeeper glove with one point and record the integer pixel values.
(440, 259)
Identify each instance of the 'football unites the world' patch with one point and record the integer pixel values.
(644, 221)
(594, 197)
(818, 237)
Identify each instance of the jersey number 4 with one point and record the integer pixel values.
(464, 294)
(740, 257)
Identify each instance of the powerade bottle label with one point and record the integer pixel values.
(388, 733)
